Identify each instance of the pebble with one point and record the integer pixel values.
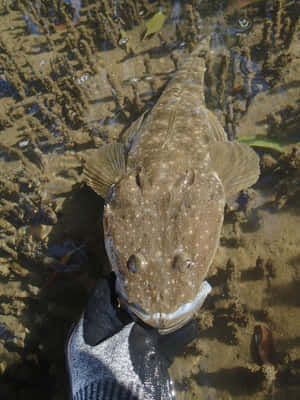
(23, 143)
(3, 366)
(18, 269)
(4, 270)
(34, 290)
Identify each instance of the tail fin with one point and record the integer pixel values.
(190, 75)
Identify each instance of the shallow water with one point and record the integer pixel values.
(73, 75)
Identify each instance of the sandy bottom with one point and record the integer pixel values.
(77, 85)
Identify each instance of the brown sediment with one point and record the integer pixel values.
(192, 17)
(278, 11)
(288, 169)
(266, 39)
(224, 66)
(289, 30)
(235, 5)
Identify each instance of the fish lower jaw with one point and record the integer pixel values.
(170, 322)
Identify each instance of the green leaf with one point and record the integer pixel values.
(155, 23)
(264, 142)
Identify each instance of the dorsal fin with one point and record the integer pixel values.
(105, 168)
(236, 164)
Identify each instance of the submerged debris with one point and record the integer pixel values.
(63, 259)
(264, 346)
(155, 23)
(261, 141)
(265, 353)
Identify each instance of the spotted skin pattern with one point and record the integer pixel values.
(162, 220)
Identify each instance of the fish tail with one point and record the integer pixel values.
(190, 75)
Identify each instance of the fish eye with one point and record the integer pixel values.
(135, 263)
(138, 179)
(182, 262)
(132, 263)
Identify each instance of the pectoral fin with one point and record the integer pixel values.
(216, 129)
(105, 168)
(129, 138)
(236, 164)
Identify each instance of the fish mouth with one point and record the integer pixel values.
(170, 322)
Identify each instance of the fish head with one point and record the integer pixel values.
(161, 233)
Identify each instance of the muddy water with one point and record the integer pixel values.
(73, 75)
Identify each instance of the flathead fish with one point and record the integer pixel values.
(165, 189)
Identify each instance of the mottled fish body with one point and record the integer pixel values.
(165, 191)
